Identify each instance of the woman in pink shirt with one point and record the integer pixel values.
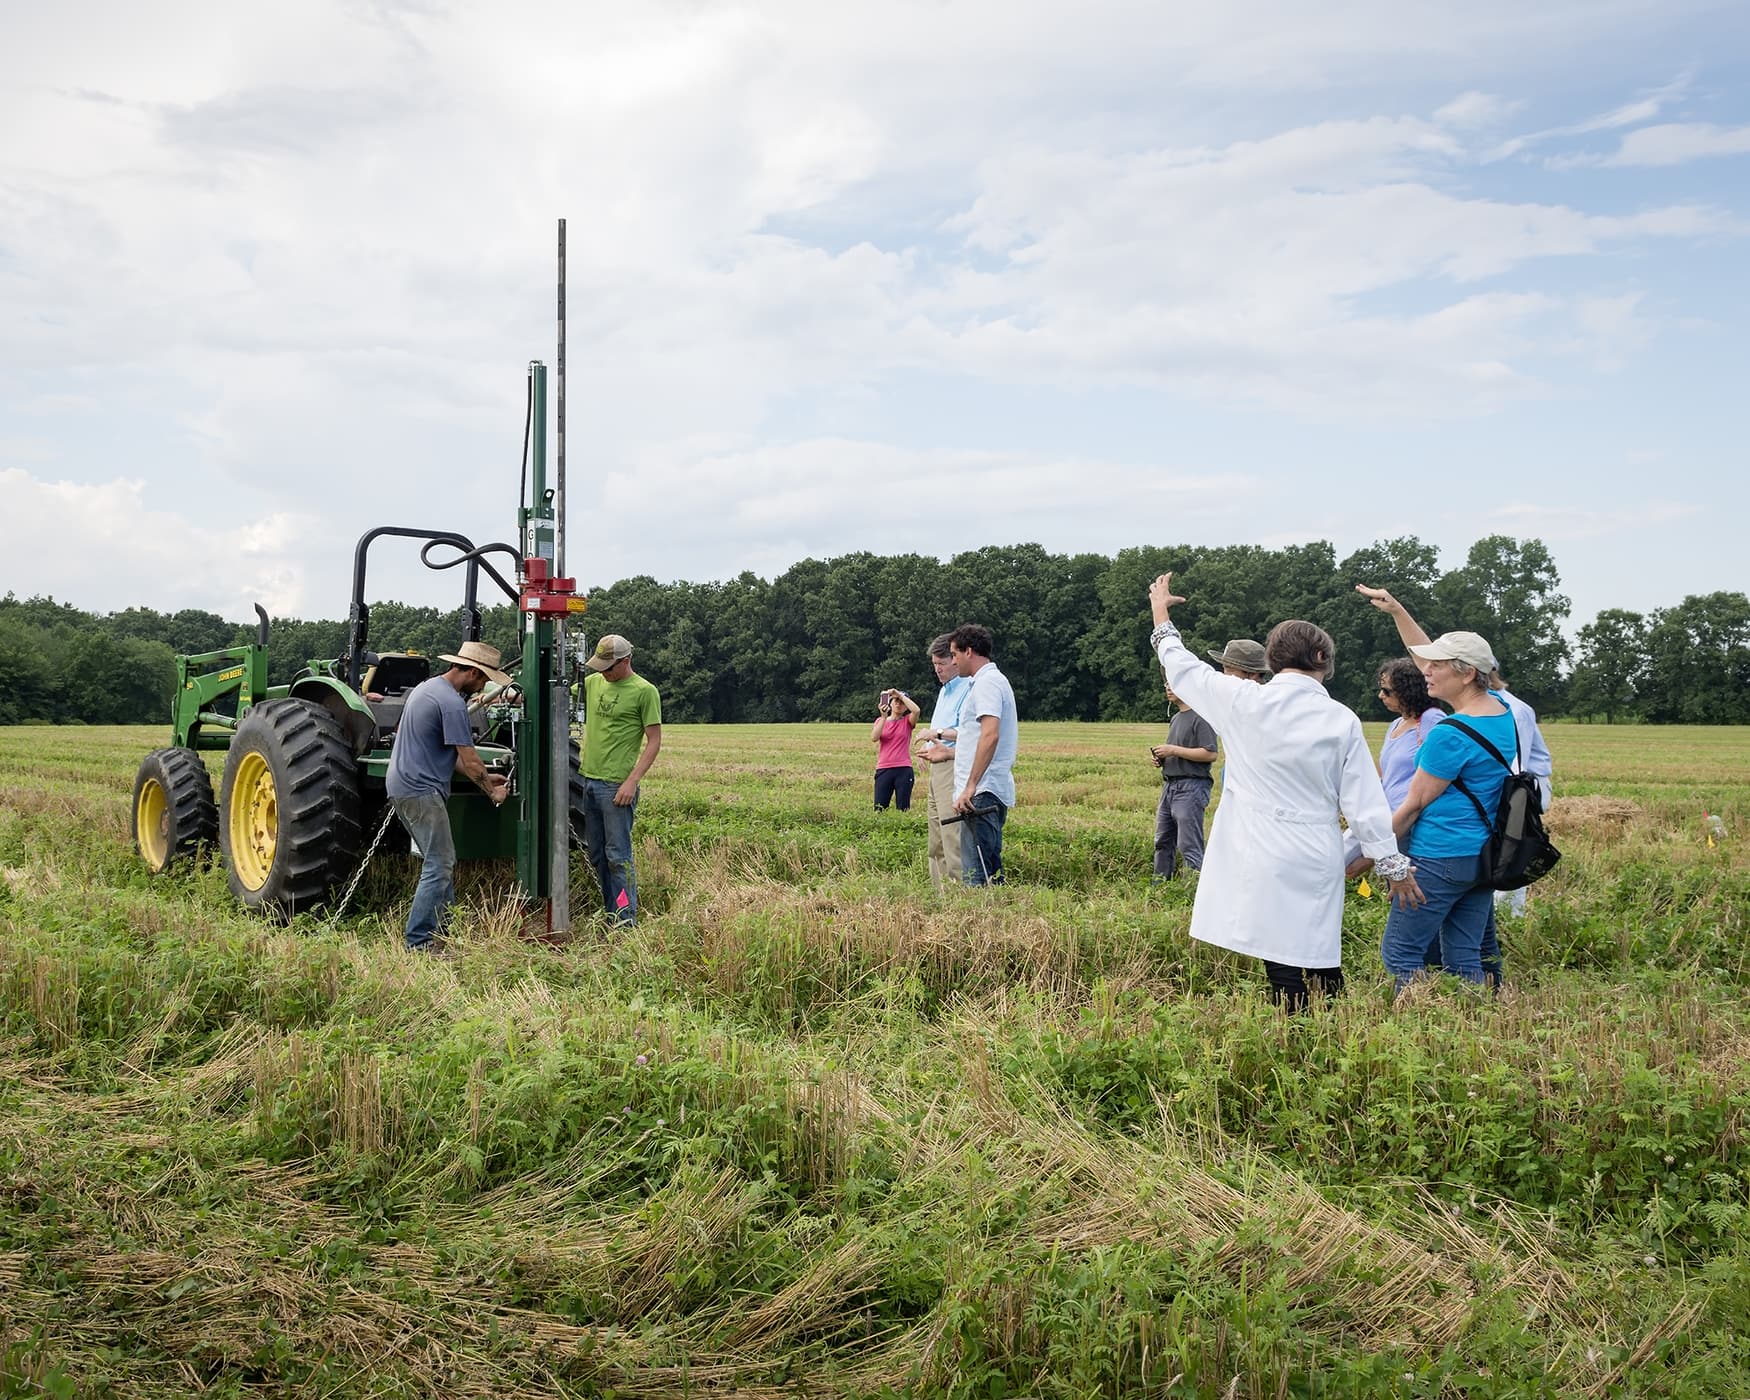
(891, 735)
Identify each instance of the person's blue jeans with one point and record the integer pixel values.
(1489, 954)
(427, 819)
(1456, 919)
(1179, 823)
(981, 841)
(607, 831)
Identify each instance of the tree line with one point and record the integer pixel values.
(820, 641)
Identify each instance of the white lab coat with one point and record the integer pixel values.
(1272, 878)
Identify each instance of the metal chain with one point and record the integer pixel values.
(359, 874)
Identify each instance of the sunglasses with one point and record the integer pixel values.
(1387, 690)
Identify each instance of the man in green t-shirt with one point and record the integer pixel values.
(622, 734)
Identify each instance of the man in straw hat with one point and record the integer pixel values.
(433, 741)
(622, 734)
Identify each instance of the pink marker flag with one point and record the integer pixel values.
(622, 904)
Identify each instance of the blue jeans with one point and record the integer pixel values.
(1489, 954)
(427, 819)
(1457, 918)
(981, 841)
(607, 831)
(1179, 823)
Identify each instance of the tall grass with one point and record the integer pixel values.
(812, 1127)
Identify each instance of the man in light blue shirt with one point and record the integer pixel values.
(984, 756)
(1534, 758)
(938, 753)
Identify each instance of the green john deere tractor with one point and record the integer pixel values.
(302, 794)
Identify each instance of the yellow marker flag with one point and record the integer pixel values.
(1364, 889)
(1710, 840)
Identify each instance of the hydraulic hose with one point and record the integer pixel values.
(477, 554)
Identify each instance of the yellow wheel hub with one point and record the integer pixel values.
(254, 821)
(152, 824)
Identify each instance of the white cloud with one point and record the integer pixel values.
(1642, 109)
(1570, 522)
(102, 546)
(1478, 110)
(1260, 272)
(1674, 143)
(827, 489)
(289, 266)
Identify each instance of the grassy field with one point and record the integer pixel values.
(814, 1129)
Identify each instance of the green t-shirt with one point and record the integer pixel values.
(615, 716)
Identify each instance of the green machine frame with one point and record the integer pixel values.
(526, 729)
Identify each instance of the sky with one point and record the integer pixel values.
(915, 276)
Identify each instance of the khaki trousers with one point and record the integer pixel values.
(944, 841)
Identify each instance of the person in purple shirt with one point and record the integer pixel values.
(1404, 691)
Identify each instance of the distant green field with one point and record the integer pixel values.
(813, 1128)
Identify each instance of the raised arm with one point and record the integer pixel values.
(1410, 632)
(1202, 687)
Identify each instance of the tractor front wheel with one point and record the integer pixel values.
(175, 817)
(289, 808)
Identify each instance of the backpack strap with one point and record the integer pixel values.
(1493, 753)
(1482, 816)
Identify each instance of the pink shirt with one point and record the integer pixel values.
(895, 750)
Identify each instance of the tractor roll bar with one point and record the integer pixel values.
(358, 618)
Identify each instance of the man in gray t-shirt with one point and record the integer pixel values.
(984, 756)
(432, 743)
(1185, 761)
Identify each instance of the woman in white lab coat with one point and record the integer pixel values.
(1272, 878)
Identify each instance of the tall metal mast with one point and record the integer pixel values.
(559, 794)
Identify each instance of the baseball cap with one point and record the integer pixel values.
(610, 649)
(1467, 647)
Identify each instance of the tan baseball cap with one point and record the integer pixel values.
(610, 650)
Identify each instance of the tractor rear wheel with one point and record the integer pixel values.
(175, 817)
(289, 808)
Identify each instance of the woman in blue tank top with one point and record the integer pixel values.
(1439, 825)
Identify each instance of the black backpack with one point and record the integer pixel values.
(1518, 850)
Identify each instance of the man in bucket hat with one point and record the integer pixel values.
(622, 734)
(432, 743)
(1244, 659)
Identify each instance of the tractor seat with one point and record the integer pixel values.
(396, 673)
(387, 714)
(393, 677)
